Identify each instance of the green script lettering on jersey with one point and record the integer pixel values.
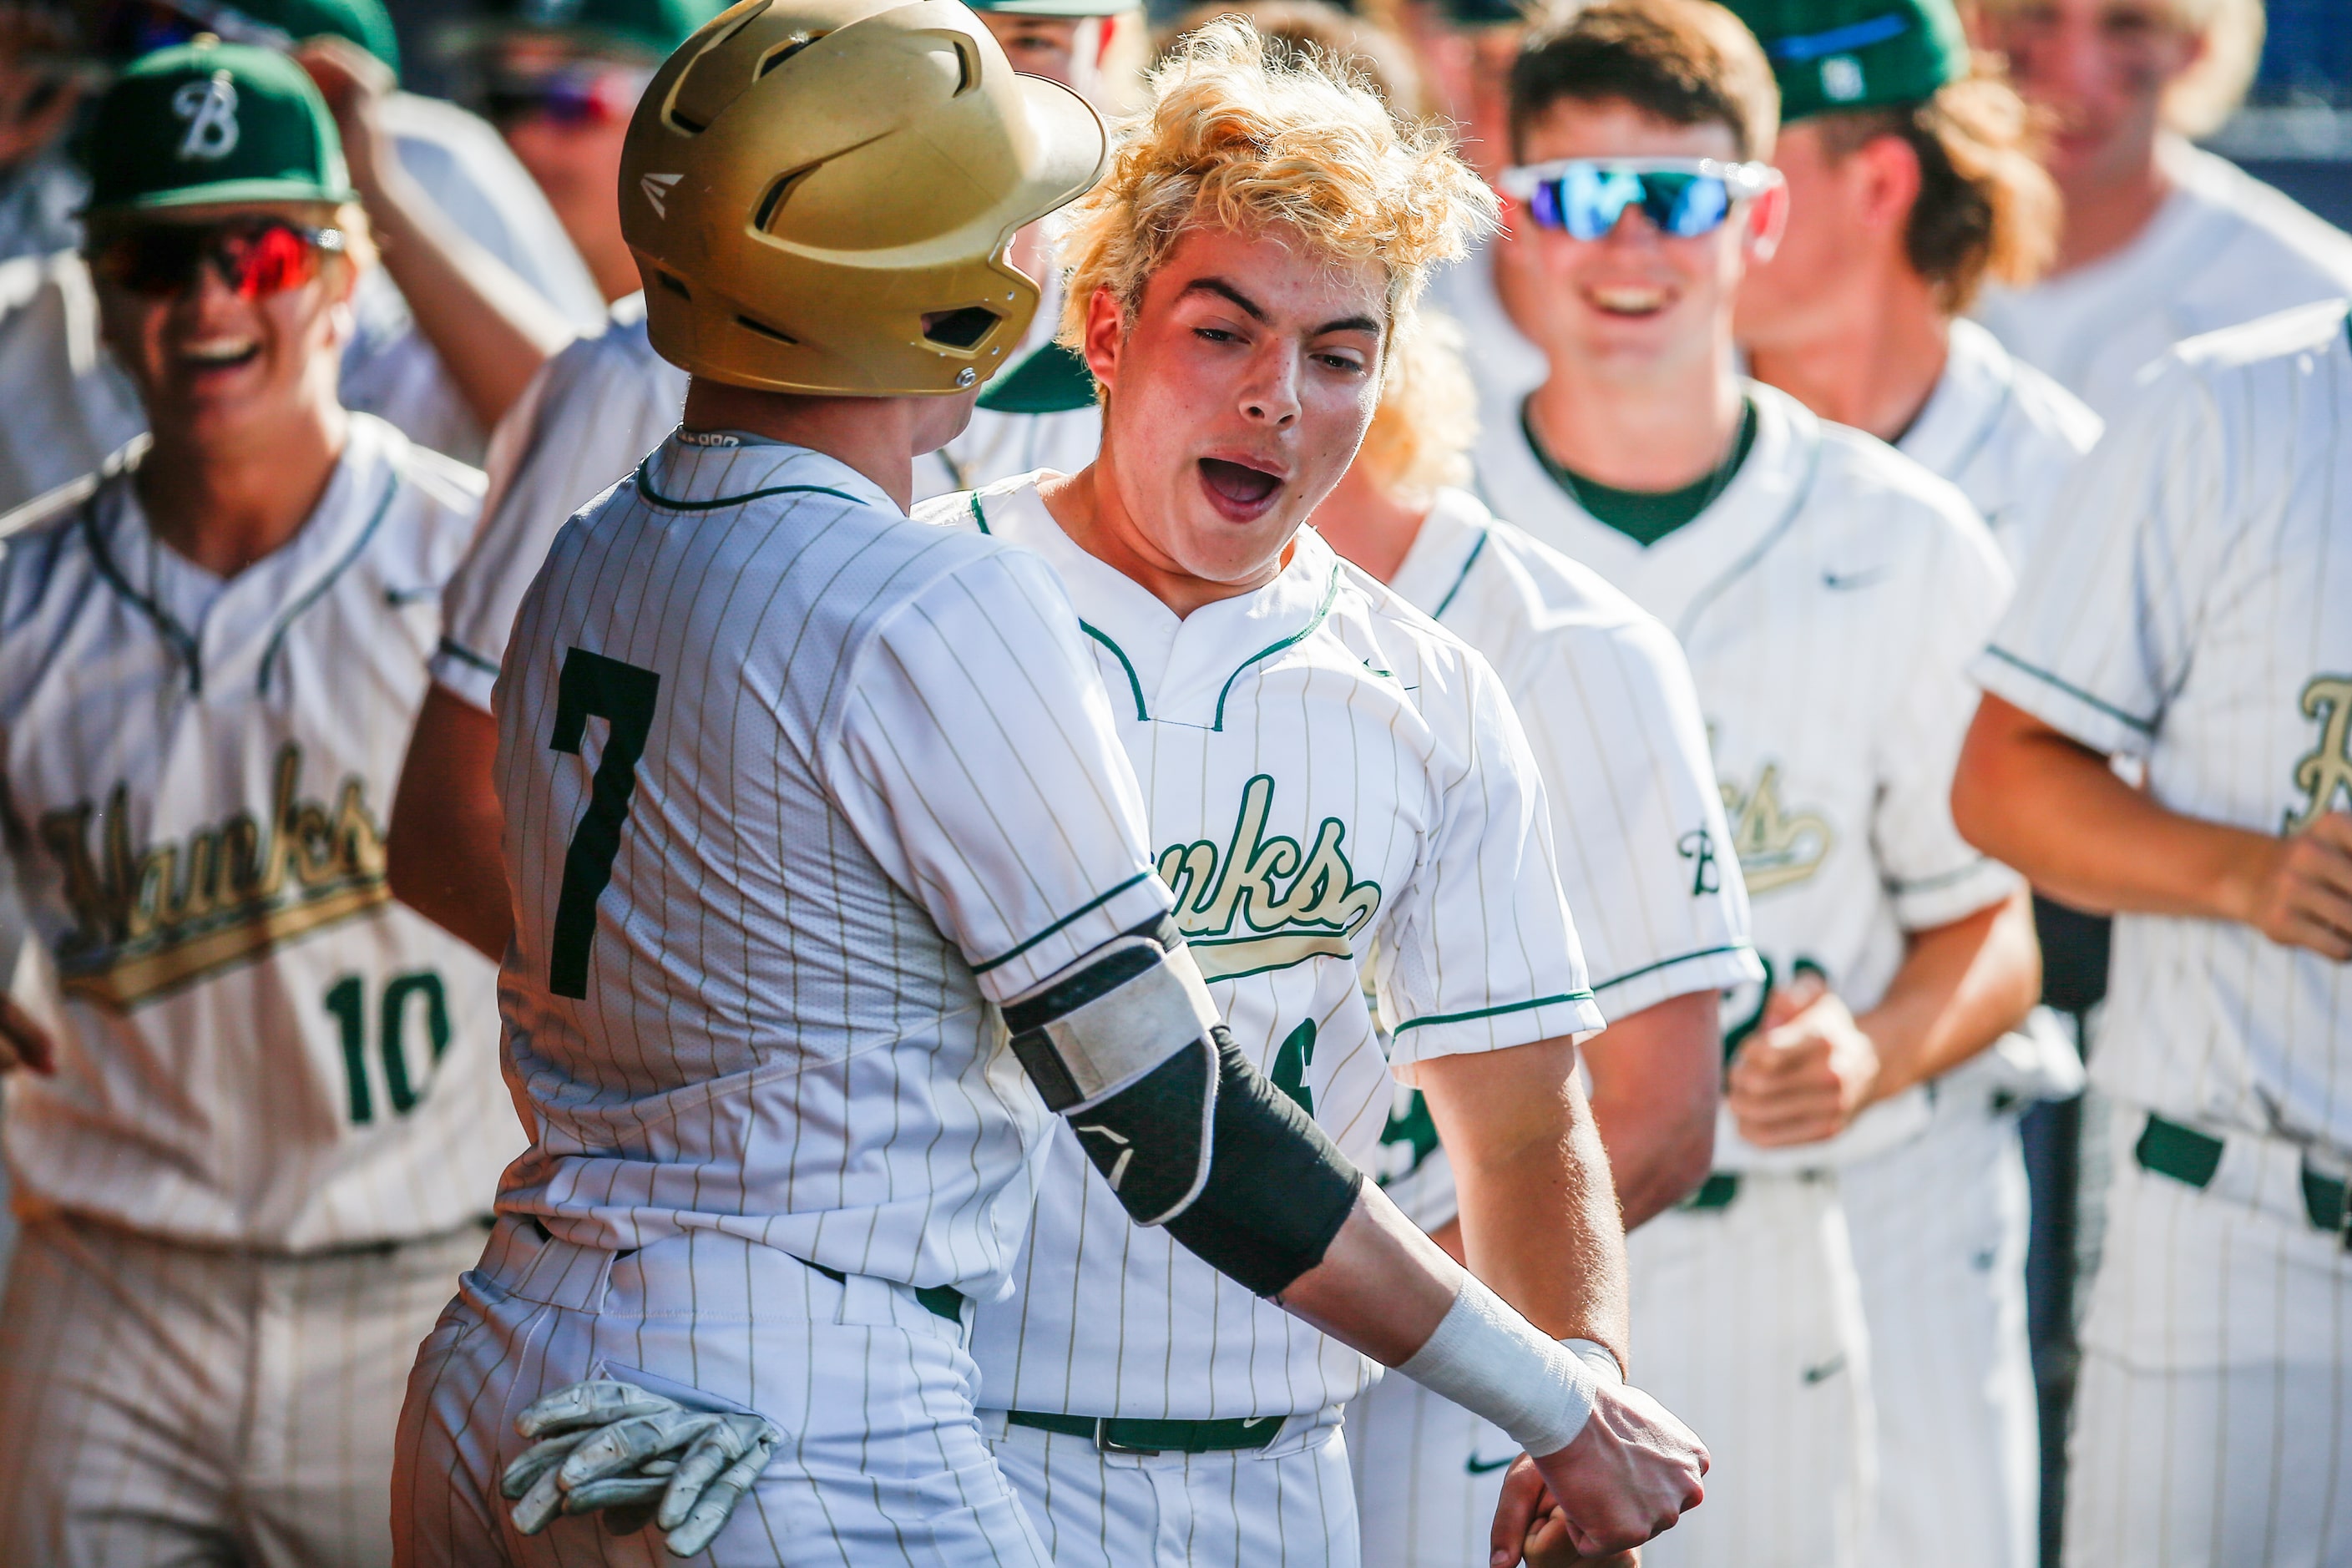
(154, 919)
(1259, 902)
(2326, 773)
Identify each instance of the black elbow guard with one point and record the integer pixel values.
(1126, 1046)
(1278, 1190)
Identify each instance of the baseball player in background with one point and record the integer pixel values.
(2190, 616)
(2161, 240)
(1828, 594)
(560, 81)
(268, 1137)
(604, 403)
(1910, 183)
(1645, 861)
(1264, 231)
(478, 284)
(822, 845)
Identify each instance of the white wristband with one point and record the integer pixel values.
(1600, 1358)
(1491, 1362)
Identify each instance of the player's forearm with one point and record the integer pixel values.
(490, 331)
(1539, 1211)
(1961, 987)
(1383, 1285)
(1656, 1079)
(2034, 798)
(443, 855)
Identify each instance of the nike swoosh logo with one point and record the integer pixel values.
(1845, 582)
(1827, 1370)
(1478, 1467)
(1249, 1421)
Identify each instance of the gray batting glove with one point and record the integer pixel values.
(611, 1446)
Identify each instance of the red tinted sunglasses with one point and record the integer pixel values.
(254, 257)
(570, 98)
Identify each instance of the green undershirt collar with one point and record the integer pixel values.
(1647, 516)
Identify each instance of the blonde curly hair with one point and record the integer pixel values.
(1233, 137)
(1427, 421)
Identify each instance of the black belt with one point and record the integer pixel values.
(2187, 1155)
(938, 1300)
(1122, 1434)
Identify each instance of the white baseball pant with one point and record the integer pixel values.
(2214, 1420)
(1748, 1323)
(882, 1460)
(1289, 1503)
(164, 1403)
(1940, 1228)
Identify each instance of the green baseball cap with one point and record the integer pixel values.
(653, 28)
(208, 122)
(1072, 9)
(1832, 57)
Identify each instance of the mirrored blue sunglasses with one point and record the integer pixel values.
(1684, 197)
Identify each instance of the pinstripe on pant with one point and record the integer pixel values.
(1290, 1503)
(175, 1404)
(882, 1462)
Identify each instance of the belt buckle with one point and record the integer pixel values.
(1104, 1444)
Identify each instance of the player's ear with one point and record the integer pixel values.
(1106, 335)
(1891, 164)
(1767, 220)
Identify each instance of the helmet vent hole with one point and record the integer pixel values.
(959, 329)
(791, 47)
(673, 285)
(691, 127)
(766, 331)
(782, 188)
(968, 64)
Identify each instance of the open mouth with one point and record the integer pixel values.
(1238, 491)
(1628, 299)
(219, 353)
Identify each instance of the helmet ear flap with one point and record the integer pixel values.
(820, 195)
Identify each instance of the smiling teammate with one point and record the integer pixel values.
(1645, 862)
(1828, 594)
(1910, 184)
(2161, 239)
(789, 1018)
(273, 1125)
(1334, 790)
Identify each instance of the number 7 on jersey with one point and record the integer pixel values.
(593, 687)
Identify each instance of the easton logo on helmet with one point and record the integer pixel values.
(656, 188)
(210, 109)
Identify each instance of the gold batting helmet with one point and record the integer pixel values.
(819, 194)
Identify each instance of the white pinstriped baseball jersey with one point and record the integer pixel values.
(586, 420)
(2224, 248)
(1829, 601)
(853, 780)
(1646, 864)
(1645, 856)
(2191, 613)
(1939, 1224)
(2003, 432)
(267, 1051)
(1335, 785)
